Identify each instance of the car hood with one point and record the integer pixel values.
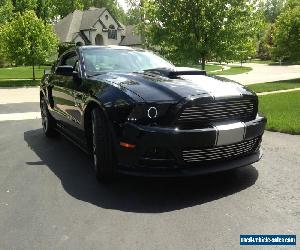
(156, 88)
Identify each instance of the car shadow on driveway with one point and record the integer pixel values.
(131, 194)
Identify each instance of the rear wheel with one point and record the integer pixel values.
(102, 146)
(47, 120)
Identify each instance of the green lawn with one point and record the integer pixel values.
(212, 67)
(262, 61)
(234, 70)
(273, 86)
(282, 111)
(18, 83)
(22, 72)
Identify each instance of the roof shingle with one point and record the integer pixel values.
(90, 17)
(131, 37)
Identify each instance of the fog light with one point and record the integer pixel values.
(158, 153)
(127, 145)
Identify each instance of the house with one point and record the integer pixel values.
(96, 26)
(131, 38)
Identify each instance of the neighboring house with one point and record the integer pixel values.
(131, 37)
(97, 27)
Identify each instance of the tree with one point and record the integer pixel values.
(24, 5)
(46, 10)
(287, 34)
(64, 7)
(201, 29)
(6, 10)
(113, 6)
(27, 40)
(273, 9)
(265, 43)
(134, 14)
(291, 4)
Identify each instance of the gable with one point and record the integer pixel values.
(90, 17)
(67, 26)
(108, 19)
(87, 24)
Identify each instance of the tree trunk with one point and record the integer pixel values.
(33, 61)
(33, 71)
(203, 62)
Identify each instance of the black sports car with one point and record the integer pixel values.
(136, 113)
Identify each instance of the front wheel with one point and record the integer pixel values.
(102, 147)
(47, 120)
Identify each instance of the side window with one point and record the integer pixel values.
(69, 59)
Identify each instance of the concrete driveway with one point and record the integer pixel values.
(266, 73)
(50, 199)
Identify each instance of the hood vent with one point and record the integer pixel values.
(179, 71)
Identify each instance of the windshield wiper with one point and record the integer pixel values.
(98, 74)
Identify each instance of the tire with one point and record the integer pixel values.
(103, 151)
(48, 121)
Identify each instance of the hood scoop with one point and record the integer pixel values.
(174, 72)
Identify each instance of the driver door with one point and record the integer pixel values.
(63, 93)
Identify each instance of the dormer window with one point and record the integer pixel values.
(106, 17)
(112, 32)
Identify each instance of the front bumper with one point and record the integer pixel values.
(193, 170)
(159, 150)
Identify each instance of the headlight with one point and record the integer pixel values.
(138, 113)
(152, 112)
(148, 113)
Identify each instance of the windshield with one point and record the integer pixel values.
(102, 60)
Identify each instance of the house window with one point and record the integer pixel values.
(112, 32)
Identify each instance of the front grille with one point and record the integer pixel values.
(221, 152)
(206, 113)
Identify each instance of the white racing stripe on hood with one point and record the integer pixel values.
(214, 87)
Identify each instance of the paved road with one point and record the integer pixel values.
(19, 95)
(266, 73)
(50, 199)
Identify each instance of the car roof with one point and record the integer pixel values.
(84, 47)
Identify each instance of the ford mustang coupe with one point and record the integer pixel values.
(138, 114)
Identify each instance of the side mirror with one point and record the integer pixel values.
(65, 70)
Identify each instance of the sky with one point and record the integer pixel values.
(123, 4)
